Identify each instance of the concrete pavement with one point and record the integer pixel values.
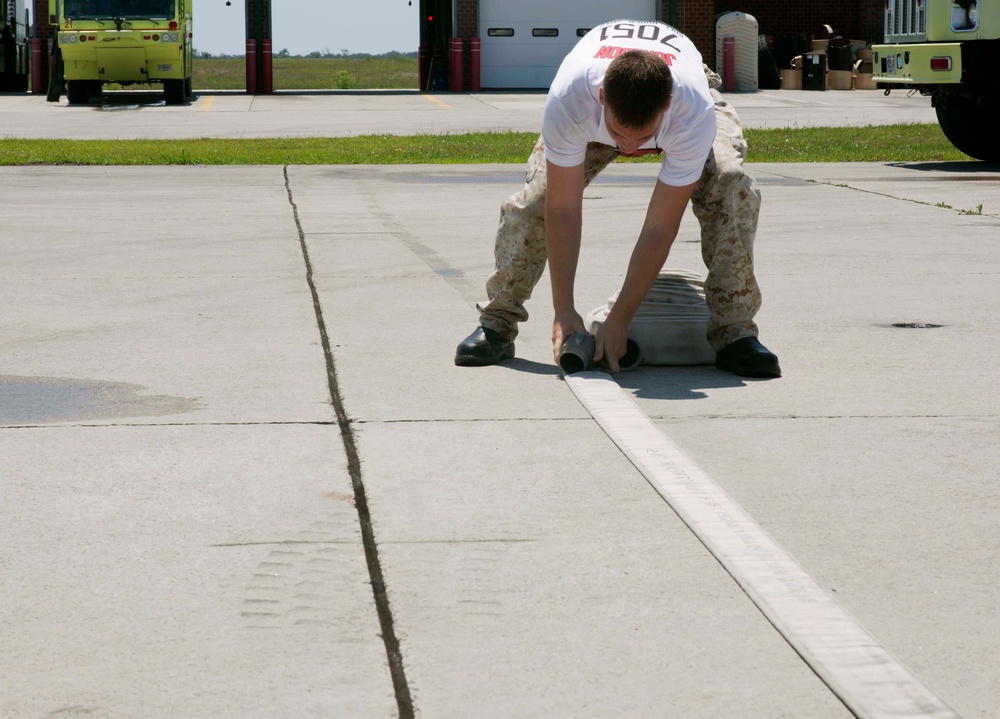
(186, 508)
(130, 115)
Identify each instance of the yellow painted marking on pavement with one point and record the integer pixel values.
(207, 104)
(431, 98)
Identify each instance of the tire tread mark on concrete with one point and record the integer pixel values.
(438, 265)
(297, 584)
(404, 700)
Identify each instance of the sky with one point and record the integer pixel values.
(304, 26)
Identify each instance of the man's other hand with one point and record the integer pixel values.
(611, 344)
(565, 324)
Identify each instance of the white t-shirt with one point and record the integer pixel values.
(574, 115)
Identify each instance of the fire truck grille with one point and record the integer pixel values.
(905, 20)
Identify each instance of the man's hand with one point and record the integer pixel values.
(611, 341)
(663, 218)
(563, 210)
(565, 324)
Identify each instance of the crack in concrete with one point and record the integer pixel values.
(404, 700)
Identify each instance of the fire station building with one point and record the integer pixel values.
(513, 44)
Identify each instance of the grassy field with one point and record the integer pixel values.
(890, 143)
(298, 73)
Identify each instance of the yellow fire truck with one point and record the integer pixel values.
(947, 49)
(124, 42)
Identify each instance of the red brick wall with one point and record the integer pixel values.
(466, 26)
(40, 18)
(467, 21)
(698, 23)
(872, 19)
(779, 17)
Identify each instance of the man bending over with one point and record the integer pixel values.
(630, 88)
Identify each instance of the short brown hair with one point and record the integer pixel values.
(637, 87)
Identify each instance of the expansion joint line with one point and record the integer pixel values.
(404, 701)
(846, 186)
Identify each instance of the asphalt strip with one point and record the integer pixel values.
(870, 682)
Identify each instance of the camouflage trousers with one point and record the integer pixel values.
(726, 202)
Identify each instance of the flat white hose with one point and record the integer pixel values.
(864, 675)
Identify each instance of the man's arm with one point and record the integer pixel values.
(663, 219)
(563, 219)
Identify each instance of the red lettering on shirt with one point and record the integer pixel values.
(610, 52)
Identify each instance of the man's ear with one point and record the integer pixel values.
(600, 94)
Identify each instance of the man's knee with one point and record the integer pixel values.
(525, 204)
(732, 182)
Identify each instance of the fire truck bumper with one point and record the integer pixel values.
(918, 64)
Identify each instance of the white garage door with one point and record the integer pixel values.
(523, 41)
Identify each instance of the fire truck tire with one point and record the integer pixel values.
(967, 123)
(188, 90)
(78, 92)
(173, 91)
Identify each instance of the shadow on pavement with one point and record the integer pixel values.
(677, 382)
(954, 166)
(523, 365)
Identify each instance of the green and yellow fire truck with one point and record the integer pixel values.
(947, 49)
(124, 42)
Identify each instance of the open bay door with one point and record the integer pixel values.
(14, 50)
(523, 41)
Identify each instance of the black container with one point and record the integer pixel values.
(839, 55)
(814, 71)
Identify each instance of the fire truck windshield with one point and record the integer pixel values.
(84, 9)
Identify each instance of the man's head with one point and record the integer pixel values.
(635, 93)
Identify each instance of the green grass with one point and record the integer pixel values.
(363, 150)
(892, 143)
(885, 143)
(299, 73)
